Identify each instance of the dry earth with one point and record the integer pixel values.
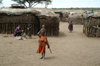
(68, 49)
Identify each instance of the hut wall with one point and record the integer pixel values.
(76, 18)
(51, 25)
(65, 17)
(91, 27)
(8, 23)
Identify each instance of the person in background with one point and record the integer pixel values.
(18, 31)
(70, 27)
(29, 28)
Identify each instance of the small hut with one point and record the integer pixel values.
(77, 18)
(63, 15)
(10, 18)
(91, 26)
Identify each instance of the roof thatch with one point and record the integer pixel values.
(96, 14)
(75, 16)
(38, 12)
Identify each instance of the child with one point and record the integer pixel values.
(29, 28)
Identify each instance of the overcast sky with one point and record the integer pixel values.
(62, 3)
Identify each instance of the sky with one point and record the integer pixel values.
(62, 3)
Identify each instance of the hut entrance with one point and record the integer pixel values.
(36, 26)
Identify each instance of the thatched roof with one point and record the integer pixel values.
(38, 12)
(75, 15)
(96, 14)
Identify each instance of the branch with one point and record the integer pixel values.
(35, 4)
(25, 5)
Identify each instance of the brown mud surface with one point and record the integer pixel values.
(68, 49)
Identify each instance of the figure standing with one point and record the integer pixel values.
(42, 42)
(42, 30)
(70, 27)
(29, 28)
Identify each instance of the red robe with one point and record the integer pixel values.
(42, 44)
(70, 27)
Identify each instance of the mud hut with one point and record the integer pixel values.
(63, 15)
(91, 26)
(10, 18)
(77, 18)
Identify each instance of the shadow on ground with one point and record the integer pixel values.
(49, 58)
(62, 34)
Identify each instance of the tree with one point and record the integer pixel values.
(47, 2)
(30, 2)
(1, 1)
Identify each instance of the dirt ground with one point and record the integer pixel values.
(68, 49)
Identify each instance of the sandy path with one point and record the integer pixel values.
(68, 49)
